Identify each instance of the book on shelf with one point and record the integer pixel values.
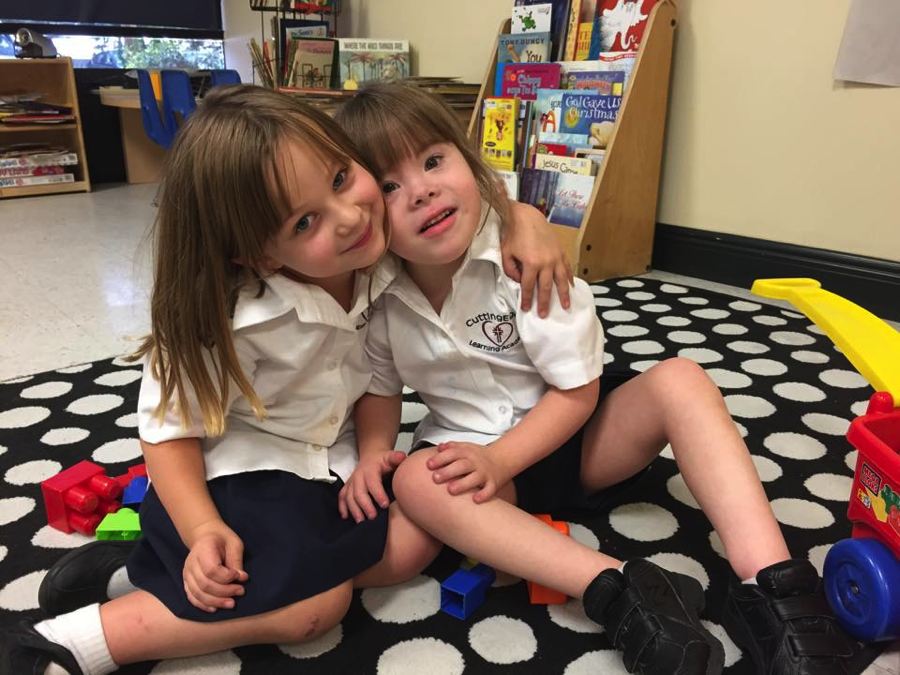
(511, 182)
(523, 80)
(24, 171)
(313, 63)
(367, 59)
(612, 62)
(31, 155)
(585, 27)
(524, 48)
(559, 23)
(576, 165)
(603, 82)
(568, 53)
(498, 145)
(619, 25)
(25, 181)
(289, 29)
(561, 197)
(532, 18)
(31, 111)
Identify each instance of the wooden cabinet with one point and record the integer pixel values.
(56, 80)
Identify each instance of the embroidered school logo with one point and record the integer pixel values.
(498, 333)
(499, 329)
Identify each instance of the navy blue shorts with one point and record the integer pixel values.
(296, 544)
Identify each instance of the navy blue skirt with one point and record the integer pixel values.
(296, 544)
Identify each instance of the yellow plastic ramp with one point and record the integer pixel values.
(871, 345)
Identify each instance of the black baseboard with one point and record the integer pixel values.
(730, 259)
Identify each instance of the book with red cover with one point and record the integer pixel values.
(619, 25)
(522, 80)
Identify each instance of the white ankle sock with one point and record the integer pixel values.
(119, 584)
(750, 582)
(81, 632)
(622, 568)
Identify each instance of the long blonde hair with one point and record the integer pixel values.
(390, 121)
(219, 204)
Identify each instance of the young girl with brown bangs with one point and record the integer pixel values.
(523, 419)
(267, 253)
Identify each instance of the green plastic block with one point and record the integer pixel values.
(123, 524)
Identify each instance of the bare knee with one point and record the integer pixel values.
(679, 377)
(412, 480)
(311, 618)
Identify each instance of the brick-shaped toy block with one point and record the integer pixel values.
(77, 499)
(123, 524)
(133, 472)
(541, 595)
(134, 493)
(463, 591)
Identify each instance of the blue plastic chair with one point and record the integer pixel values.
(219, 77)
(154, 126)
(178, 97)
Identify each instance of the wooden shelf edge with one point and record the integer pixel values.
(52, 188)
(12, 128)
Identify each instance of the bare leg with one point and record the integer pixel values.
(675, 401)
(496, 532)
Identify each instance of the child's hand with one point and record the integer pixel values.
(365, 483)
(213, 571)
(468, 466)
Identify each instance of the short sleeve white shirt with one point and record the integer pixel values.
(481, 364)
(305, 358)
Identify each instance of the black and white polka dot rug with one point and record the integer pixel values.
(792, 395)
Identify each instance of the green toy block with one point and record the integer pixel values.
(123, 524)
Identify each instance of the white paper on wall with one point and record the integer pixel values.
(870, 48)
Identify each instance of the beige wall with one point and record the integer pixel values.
(240, 24)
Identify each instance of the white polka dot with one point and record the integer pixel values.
(766, 469)
(407, 390)
(643, 347)
(317, 647)
(643, 366)
(47, 390)
(35, 471)
(22, 594)
(805, 356)
(96, 404)
(741, 428)
(3, 552)
(502, 640)
(641, 296)
(583, 535)
(694, 301)
(751, 407)
(71, 370)
(676, 562)
(851, 458)
(792, 315)
(656, 308)
(817, 556)
(813, 328)
(123, 361)
(859, 408)
(748, 347)
(715, 542)
(217, 663)
(801, 513)
(679, 489)
(766, 320)
(744, 306)
(667, 452)
(404, 442)
(118, 378)
(673, 321)
(412, 412)
(787, 337)
(65, 436)
(711, 314)
(732, 651)
(604, 661)
(630, 283)
(421, 655)
(18, 418)
(128, 421)
(643, 522)
(412, 600)
(13, 508)
(686, 337)
(826, 424)
(700, 354)
(729, 329)
(830, 486)
(728, 379)
(607, 302)
(627, 331)
(794, 446)
(599, 290)
(799, 391)
(571, 615)
(672, 288)
(843, 379)
(619, 315)
(608, 357)
(3, 449)
(50, 537)
(120, 450)
(764, 367)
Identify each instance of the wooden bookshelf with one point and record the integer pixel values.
(56, 80)
(616, 235)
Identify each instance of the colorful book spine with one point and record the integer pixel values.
(498, 145)
(24, 181)
(31, 171)
(62, 159)
(572, 31)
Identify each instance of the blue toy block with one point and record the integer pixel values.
(134, 493)
(463, 591)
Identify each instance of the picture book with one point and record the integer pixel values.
(524, 48)
(297, 28)
(619, 25)
(608, 61)
(532, 18)
(585, 28)
(568, 53)
(556, 149)
(559, 23)
(511, 181)
(31, 171)
(561, 197)
(498, 143)
(576, 165)
(366, 59)
(523, 80)
(589, 113)
(38, 157)
(313, 63)
(603, 82)
(21, 181)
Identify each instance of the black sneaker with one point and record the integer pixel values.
(651, 616)
(81, 576)
(786, 625)
(24, 651)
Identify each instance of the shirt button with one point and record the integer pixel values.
(332, 365)
(502, 409)
(334, 419)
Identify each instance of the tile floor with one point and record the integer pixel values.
(76, 278)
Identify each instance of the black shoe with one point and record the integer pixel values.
(786, 625)
(24, 651)
(81, 576)
(651, 616)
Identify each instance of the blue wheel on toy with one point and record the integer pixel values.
(862, 584)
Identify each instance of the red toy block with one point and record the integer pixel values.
(133, 472)
(78, 498)
(541, 595)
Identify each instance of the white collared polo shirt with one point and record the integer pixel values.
(305, 358)
(481, 364)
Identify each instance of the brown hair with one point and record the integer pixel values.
(218, 203)
(390, 121)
